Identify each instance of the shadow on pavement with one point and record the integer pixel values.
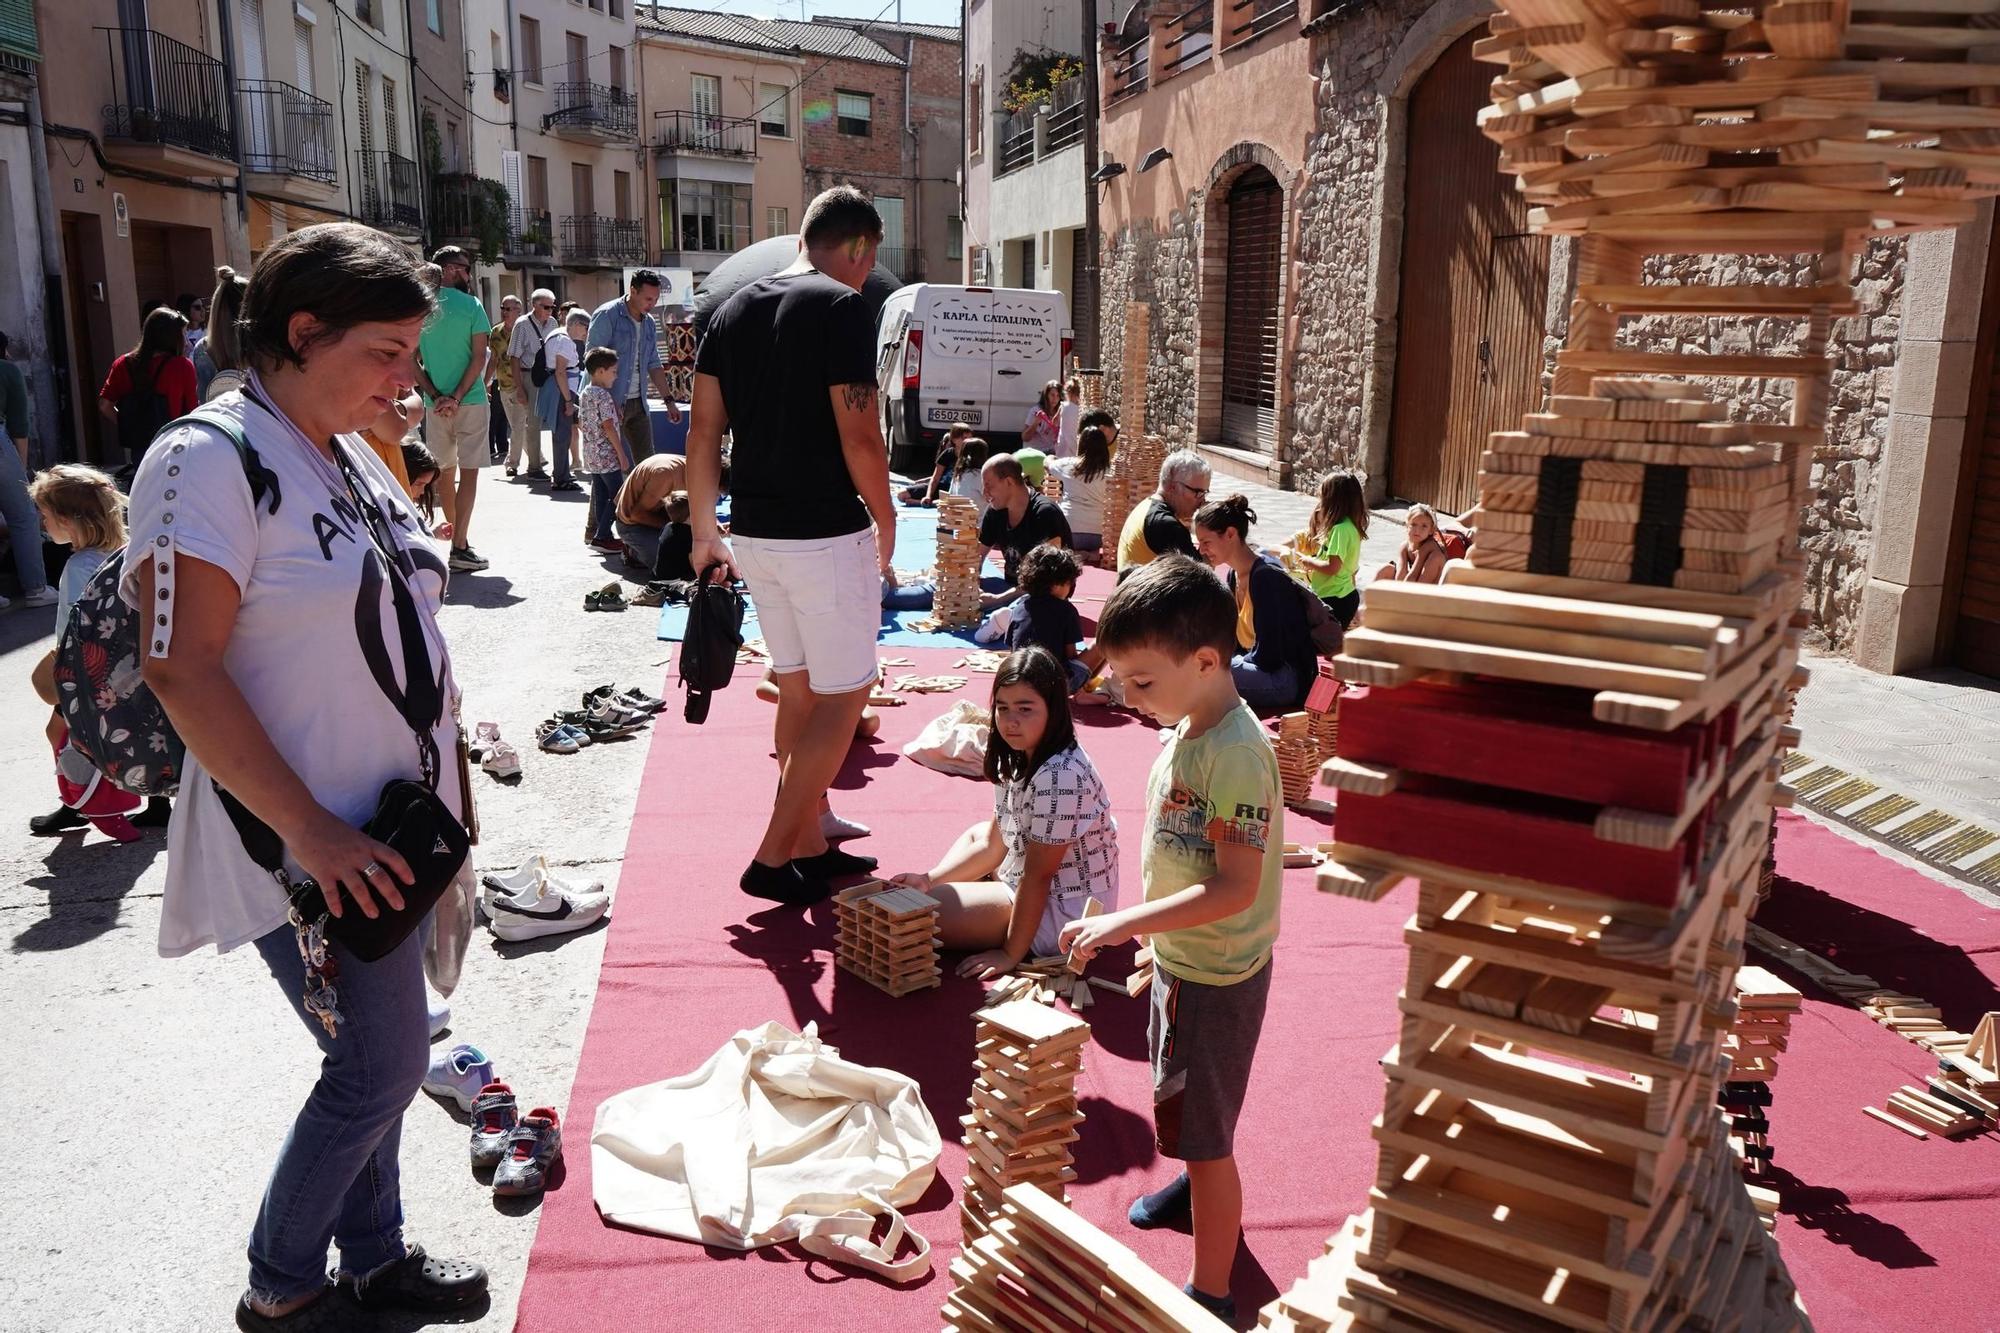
(477, 588)
(86, 879)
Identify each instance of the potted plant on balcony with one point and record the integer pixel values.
(1033, 80)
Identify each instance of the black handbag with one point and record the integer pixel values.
(708, 648)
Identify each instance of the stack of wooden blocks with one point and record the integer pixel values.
(955, 599)
(1323, 707)
(1571, 743)
(888, 937)
(1134, 370)
(1041, 1267)
(1023, 1116)
(1758, 1034)
(1969, 1074)
(1299, 759)
(1091, 382)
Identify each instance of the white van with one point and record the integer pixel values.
(974, 354)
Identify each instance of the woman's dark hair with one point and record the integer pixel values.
(1037, 668)
(1098, 416)
(1340, 497)
(417, 460)
(1043, 567)
(1231, 511)
(597, 358)
(1093, 450)
(1173, 604)
(225, 308)
(163, 334)
(1053, 387)
(343, 274)
(972, 455)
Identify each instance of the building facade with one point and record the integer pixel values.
(30, 267)
(720, 111)
(855, 99)
(1024, 169)
(1336, 275)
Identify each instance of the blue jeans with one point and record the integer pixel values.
(604, 503)
(1265, 691)
(24, 522)
(562, 428)
(337, 1177)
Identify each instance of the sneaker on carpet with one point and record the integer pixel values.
(458, 1074)
(549, 908)
(494, 1116)
(42, 596)
(439, 1014)
(533, 1150)
(835, 829)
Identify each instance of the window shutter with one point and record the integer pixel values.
(510, 177)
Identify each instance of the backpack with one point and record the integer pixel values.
(538, 374)
(115, 721)
(708, 649)
(142, 412)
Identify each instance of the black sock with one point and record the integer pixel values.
(833, 861)
(1170, 1205)
(783, 884)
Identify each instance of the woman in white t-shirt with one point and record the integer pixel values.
(1083, 479)
(290, 597)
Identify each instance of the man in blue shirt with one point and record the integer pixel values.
(625, 324)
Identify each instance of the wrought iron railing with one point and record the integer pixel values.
(286, 132)
(454, 205)
(533, 234)
(696, 132)
(167, 92)
(612, 112)
(1189, 39)
(388, 192)
(1066, 115)
(1130, 68)
(588, 238)
(1017, 140)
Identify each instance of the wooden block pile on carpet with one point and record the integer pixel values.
(1758, 1034)
(1023, 1115)
(888, 937)
(955, 598)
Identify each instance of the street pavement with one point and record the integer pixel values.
(149, 1096)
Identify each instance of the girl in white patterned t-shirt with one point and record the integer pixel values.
(1009, 884)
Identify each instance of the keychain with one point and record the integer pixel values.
(322, 1000)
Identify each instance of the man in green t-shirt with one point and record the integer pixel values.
(451, 370)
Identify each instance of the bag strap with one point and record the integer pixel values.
(843, 1238)
(263, 481)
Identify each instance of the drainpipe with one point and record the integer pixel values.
(964, 144)
(909, 141)
(227, 40)
(1087, 330)
(417, 115)
(53, 391)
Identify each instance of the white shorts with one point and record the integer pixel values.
(819, 604)
(460, 440)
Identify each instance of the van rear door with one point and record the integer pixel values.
(1025, 338)
(955, 377)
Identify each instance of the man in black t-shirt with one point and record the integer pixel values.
(1017, 519)
(787, 364)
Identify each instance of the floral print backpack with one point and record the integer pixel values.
(114, 719)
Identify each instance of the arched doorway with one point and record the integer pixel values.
(1474, 290)
(1255, 214)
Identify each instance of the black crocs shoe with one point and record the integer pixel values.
(62, 820)
(321, 1315)
(421, 1283)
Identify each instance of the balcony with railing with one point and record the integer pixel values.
(531, 236)
(591, 241)
(1128, 70)
(1036, 132)
(288, 135)
(1247, 20)
(703, 135)
(593, 113)
(462, 207)
(1188, 39)
(388, 193)
(171, 107)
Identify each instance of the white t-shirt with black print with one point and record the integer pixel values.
(1063, 801)
(316, 649)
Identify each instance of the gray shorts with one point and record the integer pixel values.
(1202, 1039)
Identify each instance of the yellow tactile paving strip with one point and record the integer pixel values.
(1932, 836)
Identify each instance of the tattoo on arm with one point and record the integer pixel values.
(858, 397)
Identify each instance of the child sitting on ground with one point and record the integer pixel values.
(676, 541)
(1045, 617)
(601, 448)
(1423, 556)
(1010, 884)
(82, 509)
(1212, 865)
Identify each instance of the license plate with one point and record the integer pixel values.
(944, 416)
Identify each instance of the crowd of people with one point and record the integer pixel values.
(306, 520)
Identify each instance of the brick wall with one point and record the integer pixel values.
(869, 162)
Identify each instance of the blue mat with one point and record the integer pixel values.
(916, 549)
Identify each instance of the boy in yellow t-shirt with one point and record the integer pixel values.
(1212, 865)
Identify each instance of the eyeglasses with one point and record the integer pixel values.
(1199, 492)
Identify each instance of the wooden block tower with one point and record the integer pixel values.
(887, 937)
(1023, 1116)
(955, 601)
(1572, 743)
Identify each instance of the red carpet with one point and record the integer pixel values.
(1883, 1232)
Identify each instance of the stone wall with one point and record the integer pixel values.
(1142, 263)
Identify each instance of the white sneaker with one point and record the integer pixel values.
(458, 1074)
(552, 909)
(42, 596)
(440, 1015)
(833, 828)
(529, 877)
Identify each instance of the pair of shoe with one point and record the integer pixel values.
(527, 902)
(611, 597)
(416, 1283)
(496, 755)
(520, 1150)
(464, 559)
(632, 699)
(536, 474)
(803, 880)
(564, 486)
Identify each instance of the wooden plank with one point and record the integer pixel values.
(1848, 81)
(1757, 299)
(1522, 664)
(1470, 602)
(1883, 115)
(1896, 1122)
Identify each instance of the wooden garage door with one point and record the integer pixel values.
(152, 267)
(1473, 293)
(1976, 638)
(1250, 312)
